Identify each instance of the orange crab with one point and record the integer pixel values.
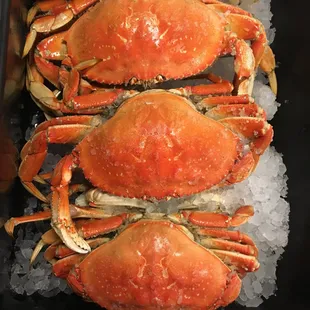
(187, 260)
(156, 146)
(136, 42)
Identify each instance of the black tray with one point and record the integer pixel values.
(292, 130)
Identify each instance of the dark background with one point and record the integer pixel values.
(292, 130)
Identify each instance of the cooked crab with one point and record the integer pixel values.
(137, 42)
(187, 260)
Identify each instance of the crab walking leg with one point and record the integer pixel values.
(221, 239)
(209, 219)
(60, 15)
(256, 129)
(223, 234)
(248, 28)
(226, 250)
(14, 221)
(75, 212)
(247, 120)
(68, 258)
(219, 87)
(35, 150)
(243, 262)
(220, 6)
(59, 121)
(268, 65)
(244, 64)
(32, 73)
(231, 106)
(78, 95)
(211, 244)
(91, 103)
(53, 49)
(48, 70)
(48, 7)
(50, 49)
(261, 134)
(59, 250)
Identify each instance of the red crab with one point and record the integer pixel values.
(188, 260)
(157, 145)
(136, 42)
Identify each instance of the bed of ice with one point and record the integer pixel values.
(265, 189)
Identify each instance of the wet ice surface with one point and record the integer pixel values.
(265, 189)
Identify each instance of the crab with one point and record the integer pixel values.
(156, 146)
(145, 42)
(186, 260)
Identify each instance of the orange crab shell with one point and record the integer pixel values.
(156, 145)
(152, 265)
(131, 39)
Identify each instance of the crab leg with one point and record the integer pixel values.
(248, 28)
(78, 95)
(222, 7)
(61, 13)
(211, 219)
(223, 239)
(75, 212)
(61, 217)
(54, 7)
(219, 87)
(86, 229)
(14, 221)
(235, 110)
(68, 258)
(35, 150)
(239, 250)
(242, 262)
(256, 129)
(58, 250)
(51, 48)
(245, 27)
(233, 235)
(218, 244)
(244, 64)
(91, 103)
(63, 266)
(268, 65)
(231, 106)
(47, 6)
(210, 102)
